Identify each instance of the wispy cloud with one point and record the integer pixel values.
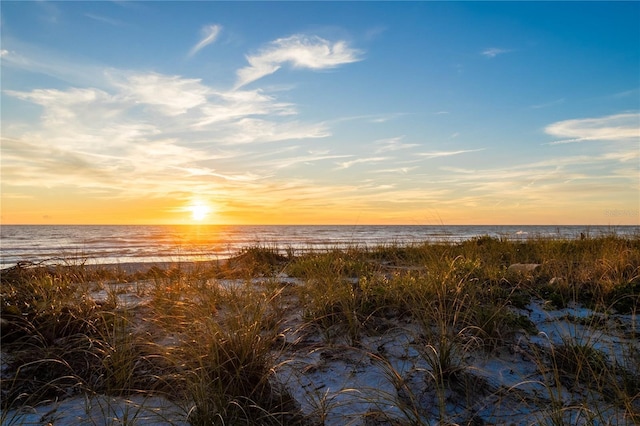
(31, 163)
(437, 154)
(386, 117)
(627, 93)
(209, 35)
(254, 130)
(103, 19)
(618, 127)
(347, 164)
(559, 174)
(229, 105)
(623, 156)
(370, 118)
(393, 144)
(284, 161)
(23, 56)
(204, 172)
(173, 95)
(373, 33)
(300, 51)
(397, 170)
(492, 52)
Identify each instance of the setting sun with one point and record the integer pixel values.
(199, 211)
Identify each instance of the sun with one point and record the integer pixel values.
(199, 212)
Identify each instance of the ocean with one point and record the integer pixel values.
(102, 244)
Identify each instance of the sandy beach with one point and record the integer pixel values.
(335, 343)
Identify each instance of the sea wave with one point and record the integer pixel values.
(153, 243)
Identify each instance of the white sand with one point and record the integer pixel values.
(340, 384)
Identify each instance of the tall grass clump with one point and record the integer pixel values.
(59, 342)
(256, 261)
(599, 272)
(44, 324)
(229, 361)
(340, 292)
(440, 301)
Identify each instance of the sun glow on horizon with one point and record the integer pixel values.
(199, 211)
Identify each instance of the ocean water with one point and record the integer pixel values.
(99, 244)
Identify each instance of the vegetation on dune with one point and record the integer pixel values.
(212, 341)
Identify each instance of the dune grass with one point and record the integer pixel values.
(213, 340)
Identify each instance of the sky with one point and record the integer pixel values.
(420, 113)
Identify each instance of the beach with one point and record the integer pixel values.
(484, 331)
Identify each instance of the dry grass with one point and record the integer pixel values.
(214, 344)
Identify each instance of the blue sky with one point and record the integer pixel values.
(321, 112)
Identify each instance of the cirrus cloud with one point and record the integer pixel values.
(618, 127)
(437, 154)
(492, 52)
(209, 34)
(300, 51)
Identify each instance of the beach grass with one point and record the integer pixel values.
(488, 330)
